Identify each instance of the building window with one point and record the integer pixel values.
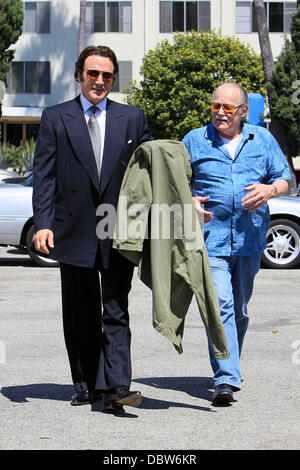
(36, 17)
(243, 17)
(184, 16)
(278, 14)
(109, 17)
(276, 17)
(290, 9)
(124, 76)
(29, 77)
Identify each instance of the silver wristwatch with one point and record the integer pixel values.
(276, 193)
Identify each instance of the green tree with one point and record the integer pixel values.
(285, 87)
(11, 19)
(179, 78)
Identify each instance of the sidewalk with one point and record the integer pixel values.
(176, 412)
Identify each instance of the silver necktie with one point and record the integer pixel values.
(95, 135)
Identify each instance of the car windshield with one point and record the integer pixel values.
(28, 181)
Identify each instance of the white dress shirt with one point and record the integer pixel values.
(101, 116)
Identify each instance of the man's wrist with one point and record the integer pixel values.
(275, 191)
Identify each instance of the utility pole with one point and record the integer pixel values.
(2, 91)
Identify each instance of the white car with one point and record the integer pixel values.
(16, 219)
(4, 174)
(283, 237)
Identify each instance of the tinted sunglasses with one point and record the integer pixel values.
(94, 74)
(228, 108)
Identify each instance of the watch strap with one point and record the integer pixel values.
(276, 194)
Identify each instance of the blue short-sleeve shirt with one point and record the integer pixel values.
(258, 159)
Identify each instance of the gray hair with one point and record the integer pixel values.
(243, 93)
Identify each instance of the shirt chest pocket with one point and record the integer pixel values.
(254, 159)
(253, 167)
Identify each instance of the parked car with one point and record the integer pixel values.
(16, 220)
(7, 175)
(18, 179)
(14, 180)
(283, 237)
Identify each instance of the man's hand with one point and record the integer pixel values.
(259, 195)
(198, 200)
(43, 239)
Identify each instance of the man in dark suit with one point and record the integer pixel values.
(82, 152)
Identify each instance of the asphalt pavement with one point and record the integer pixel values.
(176, 412)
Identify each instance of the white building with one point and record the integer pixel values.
(41, 74)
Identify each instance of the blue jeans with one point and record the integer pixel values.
(233, 278)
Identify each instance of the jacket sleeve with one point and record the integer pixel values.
(44, 180)
(133, 208)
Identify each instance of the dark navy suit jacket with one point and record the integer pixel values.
(66, 189)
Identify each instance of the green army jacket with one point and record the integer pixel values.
(158, 230)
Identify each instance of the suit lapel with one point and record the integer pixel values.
(115, 133)
(77, 130)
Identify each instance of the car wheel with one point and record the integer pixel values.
(283, 245)
(39, 260)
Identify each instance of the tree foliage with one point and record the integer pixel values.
(285, 87)
(179, 78)
(18, 158)
(11, 19)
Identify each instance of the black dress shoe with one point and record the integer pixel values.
(120, 395)
(81, 398)
(223, 394)
(110, 407)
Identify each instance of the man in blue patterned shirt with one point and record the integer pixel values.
(237, 168)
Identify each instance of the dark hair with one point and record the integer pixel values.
(102, 51)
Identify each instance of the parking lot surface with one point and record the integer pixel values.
(176, 412)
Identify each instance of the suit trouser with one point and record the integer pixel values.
(96, 323)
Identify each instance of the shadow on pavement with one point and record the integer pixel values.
(17, 258)
(193, 386)
(196, 387)
(21, 393)
(154, 404)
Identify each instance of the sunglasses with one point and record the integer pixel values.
(228, 108)
(94, 74)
